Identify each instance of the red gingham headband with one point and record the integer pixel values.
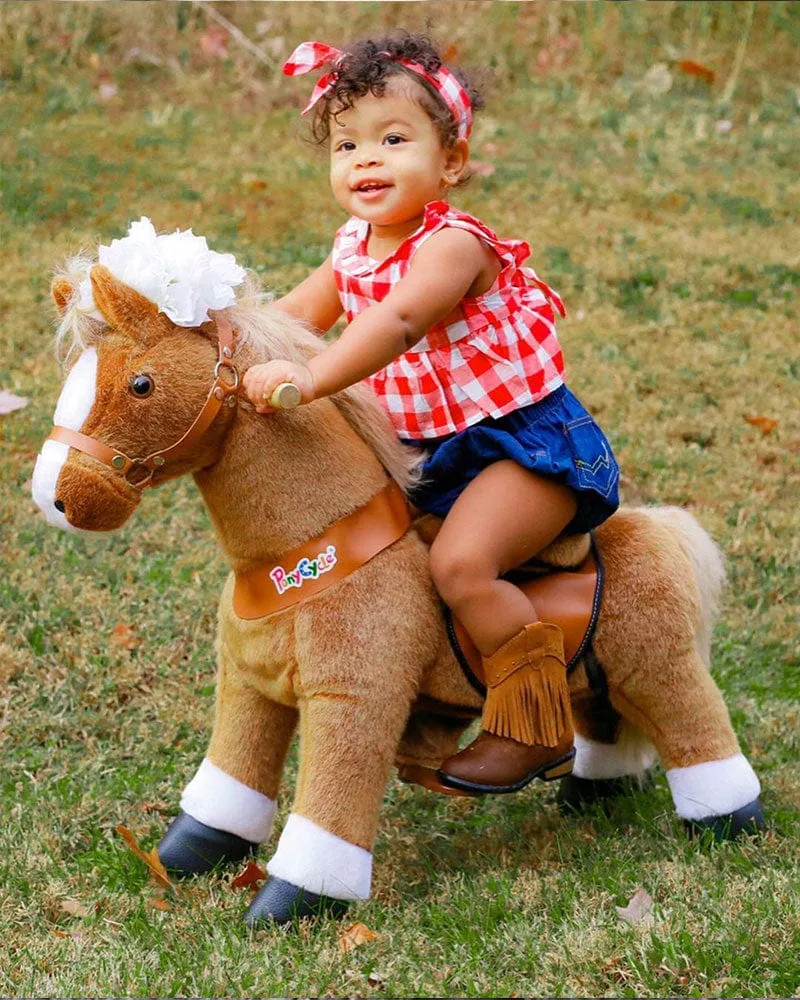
(309, 56)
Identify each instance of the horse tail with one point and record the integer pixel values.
(707, 562)
(664, 577)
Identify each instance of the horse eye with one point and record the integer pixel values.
(141, 386)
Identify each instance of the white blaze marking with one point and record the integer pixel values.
(73, 407)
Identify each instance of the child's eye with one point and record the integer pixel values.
(394, 139)
(345, 147)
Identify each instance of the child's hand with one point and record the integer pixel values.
(261, 381)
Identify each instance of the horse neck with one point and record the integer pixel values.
(283, 478)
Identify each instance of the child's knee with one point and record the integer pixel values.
(457, 573)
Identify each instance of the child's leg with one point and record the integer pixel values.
(503, 518)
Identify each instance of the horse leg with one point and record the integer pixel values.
(228, 807)
(663, 575)
(429, 737)
(359, 673)
(680, 709)
(323, 859)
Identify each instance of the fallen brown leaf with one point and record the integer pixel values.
(76, 935)
(150, 858)
(251, 876)
(214, 42)
(73, 907)
(765, 424)
(123, 635)
(155, 807)
(697, 69)
(639, 910)
(253, 182)
(354, 936)
(157, 903)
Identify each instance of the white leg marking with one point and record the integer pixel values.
(73, 407)
(631, 754)
(224, 803)
(715, 788)
(312, 858)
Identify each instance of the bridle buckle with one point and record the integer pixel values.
(137, 466)
(225, 363)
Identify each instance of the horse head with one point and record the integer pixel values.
(137, 386)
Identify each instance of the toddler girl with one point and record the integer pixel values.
(458, 341)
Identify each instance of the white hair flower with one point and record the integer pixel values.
(176, 271)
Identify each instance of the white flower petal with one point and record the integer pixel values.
(177, 271)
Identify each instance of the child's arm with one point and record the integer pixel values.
(451, 264)
(315, 300)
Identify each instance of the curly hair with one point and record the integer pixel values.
(367, 66)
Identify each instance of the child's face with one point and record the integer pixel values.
(387, 159)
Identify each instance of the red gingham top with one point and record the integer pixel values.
(494, 353)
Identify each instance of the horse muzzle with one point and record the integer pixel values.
(75, 495)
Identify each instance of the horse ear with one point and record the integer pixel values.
(124, 308)
(62, 291)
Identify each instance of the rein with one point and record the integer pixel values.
(315, 565)
(138, 472)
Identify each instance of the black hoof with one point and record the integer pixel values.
(575, 794)
(280, 902)
(748, 819)
(189, 847)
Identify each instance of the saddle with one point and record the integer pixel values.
(564, 584)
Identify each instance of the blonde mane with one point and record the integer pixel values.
(274, 334)
(263, 332)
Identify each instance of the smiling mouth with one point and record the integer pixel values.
(366, 186)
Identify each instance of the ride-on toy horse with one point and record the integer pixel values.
(329, 622)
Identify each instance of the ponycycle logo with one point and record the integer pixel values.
(306, 569)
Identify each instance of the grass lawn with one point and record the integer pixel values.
(663, 206)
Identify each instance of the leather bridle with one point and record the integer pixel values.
(138, 472)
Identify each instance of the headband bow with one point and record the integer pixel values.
(309, 56)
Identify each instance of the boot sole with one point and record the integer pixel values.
(550, 772)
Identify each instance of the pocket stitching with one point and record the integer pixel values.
(581, 467)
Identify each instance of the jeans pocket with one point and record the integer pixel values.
(595, 465)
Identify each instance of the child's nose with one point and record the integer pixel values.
(370, 157)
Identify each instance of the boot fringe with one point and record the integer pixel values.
(531, 706)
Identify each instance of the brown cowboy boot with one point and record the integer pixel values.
(527, 719)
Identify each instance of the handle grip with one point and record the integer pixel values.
(285, 397)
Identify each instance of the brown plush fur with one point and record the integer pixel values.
(350, 665)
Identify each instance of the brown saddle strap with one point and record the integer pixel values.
(325, 560)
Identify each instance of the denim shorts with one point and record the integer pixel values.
(556, 438)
